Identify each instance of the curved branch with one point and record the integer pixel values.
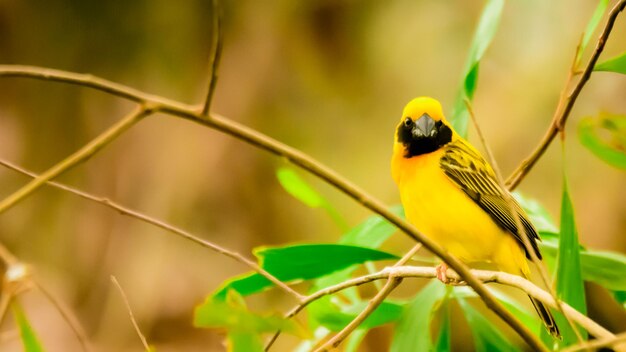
(305, 162)
(565, 106)
(484, 275)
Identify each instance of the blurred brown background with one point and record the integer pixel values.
(328, 77)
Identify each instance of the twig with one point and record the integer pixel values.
(518, 223)
(484, 275)
(163, 225)
(596, 345)
(79, 156)
(565, 106)
(130, 313)
(303, 161)
(216, 54)
(67, 315)
(390, 285)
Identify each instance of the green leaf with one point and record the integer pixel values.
(487, 26)
(300, 262)
(245, 342)
(569, 280)
(530, 320)
(620, 296)
(294, 185)
(355, 339)
(487, 337)
(591, 27)
(444, 340)
(413, 330)
(373, 231)
(299, 189)
(29, 338)
(602, 267)
(335, 317)
(539, 216)
(616, 64)
(233, 315)
(605, 137)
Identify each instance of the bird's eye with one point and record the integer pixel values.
(408, 122)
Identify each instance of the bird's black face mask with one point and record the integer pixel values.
(423, 135)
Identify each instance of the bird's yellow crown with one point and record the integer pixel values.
(423, 105)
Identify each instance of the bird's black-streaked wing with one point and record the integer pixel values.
(470, 172)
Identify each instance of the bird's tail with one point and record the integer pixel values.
(546, 317)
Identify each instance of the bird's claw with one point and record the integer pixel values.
(441, 270)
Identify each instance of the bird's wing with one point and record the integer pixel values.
(465, 167)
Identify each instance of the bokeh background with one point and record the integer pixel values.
(327, 77)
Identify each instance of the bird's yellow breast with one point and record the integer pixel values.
(443, 212)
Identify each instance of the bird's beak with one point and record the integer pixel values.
(424, 127)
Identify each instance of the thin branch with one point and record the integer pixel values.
(144, 342)
(79, 156)
(216, 54)
(84, 80)
(163, 225)
(518, 223)
(323, 172)
(68, 316)
(597, 345)
(565, 106)
(485, 276)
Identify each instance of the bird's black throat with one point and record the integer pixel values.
(423, 136)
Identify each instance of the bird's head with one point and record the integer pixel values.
(423, 128)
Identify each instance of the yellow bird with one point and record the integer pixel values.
(451, 194)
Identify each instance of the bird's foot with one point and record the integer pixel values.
(441, 273)
(441, 270)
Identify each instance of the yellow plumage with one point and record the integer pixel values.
(450, 193)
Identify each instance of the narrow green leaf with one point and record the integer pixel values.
(605, 137)
(355, 339)
(569, 280)
(245, 342)
(300, 262)
(487, 26)
(530, 320)
(602, 267)
(444, 340)
(539, 216)
(335, 317)
(591, 27)
(308, 345)
(486, 336)
(413, 330)
(299, 189)
(294, 185)
(616, 64)
(232, 314)
(620, 296)
(29, 338)
(373, 231)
